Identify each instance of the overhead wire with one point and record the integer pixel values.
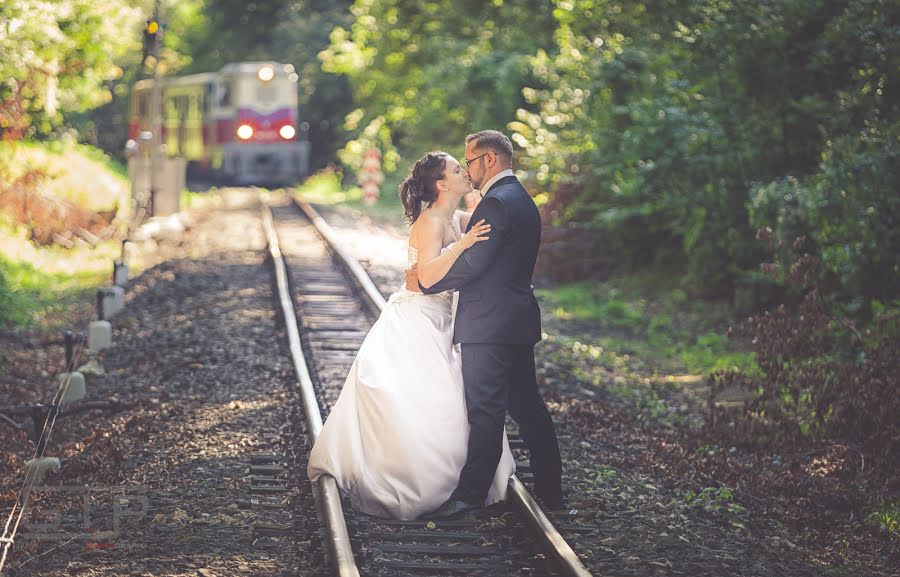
(8, 538)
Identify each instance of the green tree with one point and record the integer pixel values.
(325, 99)
(55, 57)
(232, 31)
(662, 121)
(424, 74)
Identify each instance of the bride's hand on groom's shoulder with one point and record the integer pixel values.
(476, 234)
(412, 279)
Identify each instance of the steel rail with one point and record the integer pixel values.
(541, 525)
(326, 488)
(359, 275)
(523, 501)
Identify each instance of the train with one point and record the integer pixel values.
(236, 126)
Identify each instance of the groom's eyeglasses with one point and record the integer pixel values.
(469, 162)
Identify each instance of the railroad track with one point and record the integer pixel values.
(329, 303)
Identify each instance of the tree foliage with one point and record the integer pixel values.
(425, 73)
(677, 128)
(819, 376)
(89, 55)
(673, 123)
(56, 56)
(302, 32)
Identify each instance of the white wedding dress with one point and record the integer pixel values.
(396, 438)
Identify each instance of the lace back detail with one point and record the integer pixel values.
(405, 295)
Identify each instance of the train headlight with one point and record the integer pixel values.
(266, 73)
(245, 131)
(287, 132)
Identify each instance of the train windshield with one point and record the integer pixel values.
(225, 94)
(266, 92)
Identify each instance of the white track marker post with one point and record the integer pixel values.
(99, 331)
(120, 269)
(118, 299)
(113, 301)
(76, 389)
(36, 469)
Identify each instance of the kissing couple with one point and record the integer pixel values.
(418, 429)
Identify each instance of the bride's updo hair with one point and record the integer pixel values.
(419, 189)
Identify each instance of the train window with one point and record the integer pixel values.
(266, 92)
(181, 106)
(225, 94)
(206, 99)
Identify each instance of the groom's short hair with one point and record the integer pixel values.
(493, 140)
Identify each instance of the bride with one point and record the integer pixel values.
(396, 438)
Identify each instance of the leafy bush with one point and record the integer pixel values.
(885, 516)
(849, 211)
(679, 129)
(713, 499)
(821, 376)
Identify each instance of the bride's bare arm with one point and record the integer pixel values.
(429, 235)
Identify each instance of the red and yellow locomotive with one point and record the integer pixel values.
(238, 125)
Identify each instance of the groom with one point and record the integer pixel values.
(498, 322)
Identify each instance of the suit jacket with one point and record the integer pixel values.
(493, 277)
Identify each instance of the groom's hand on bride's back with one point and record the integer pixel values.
(412, 279)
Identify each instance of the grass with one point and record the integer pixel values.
(81, 174)
(642, 340)
(885, 516)
(36, 282)
(29, 296)
(645, 316)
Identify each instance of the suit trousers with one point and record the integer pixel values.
(500, 378)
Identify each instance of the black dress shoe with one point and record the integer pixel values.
(451, 508)
(555, 503)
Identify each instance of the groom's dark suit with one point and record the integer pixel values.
(498, 322)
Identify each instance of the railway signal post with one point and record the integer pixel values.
(371, 177)
(152, 34)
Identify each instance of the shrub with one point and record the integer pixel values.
(821, 376)
(849, 211)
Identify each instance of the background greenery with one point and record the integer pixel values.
(670, 131)
(681, 146)
(40, 282)
(678, 128)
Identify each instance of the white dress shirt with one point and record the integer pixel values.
(487, 186)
